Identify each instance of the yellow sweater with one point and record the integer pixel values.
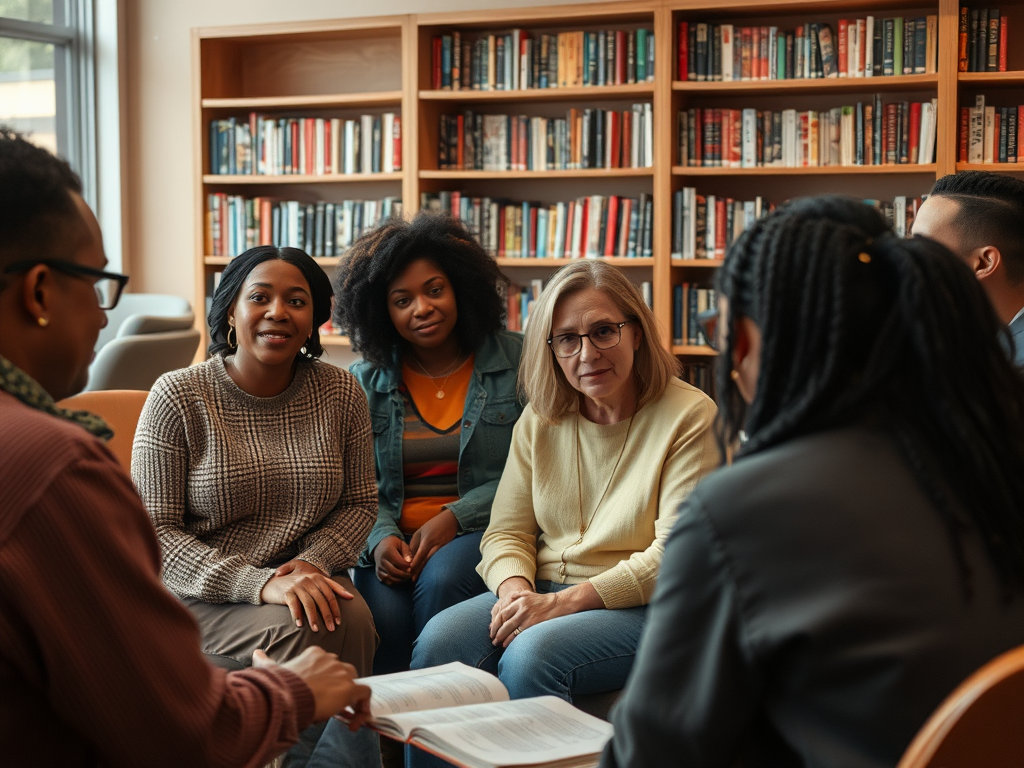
(535, 519)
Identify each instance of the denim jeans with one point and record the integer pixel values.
(401, 611)
(583, 653)
(333, 745)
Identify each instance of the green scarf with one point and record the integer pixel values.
(16, 382)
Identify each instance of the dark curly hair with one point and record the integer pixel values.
(37, 213)
(855, 322)
(380, 256)
(234, 277)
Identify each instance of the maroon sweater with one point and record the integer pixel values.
(99, 664)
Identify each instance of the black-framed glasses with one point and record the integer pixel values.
(108, 285)
(602, 337)
(707, 321)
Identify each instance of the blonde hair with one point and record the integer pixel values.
(541, 380)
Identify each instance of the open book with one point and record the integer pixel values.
(464, 715)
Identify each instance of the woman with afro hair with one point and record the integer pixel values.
(421, 302)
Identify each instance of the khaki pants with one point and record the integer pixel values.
(232, 631)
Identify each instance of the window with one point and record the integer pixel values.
(47, 80)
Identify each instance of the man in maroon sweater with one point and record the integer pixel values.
(99, 664)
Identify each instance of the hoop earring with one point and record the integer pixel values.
(232, 344)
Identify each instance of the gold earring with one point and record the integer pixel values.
(232, 344)
(43, 321)
(734, 375)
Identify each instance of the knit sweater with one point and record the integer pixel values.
(99, 664)
(536, 516)
(237, 484)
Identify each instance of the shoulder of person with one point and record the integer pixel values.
(198, 377)
(325, 375)
(511, 343)
(37, 448)
(686, 398)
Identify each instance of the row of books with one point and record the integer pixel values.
(689, 300)
(700, 375)
(983, 39)
(991, 134)
(235, 223)
(584, 138)
(866, 47)
(872, 133)
(516, 60)
(275, 146)
(704, 226)
(520, 299)
(587, 227)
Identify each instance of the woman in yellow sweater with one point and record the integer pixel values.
(608, 447)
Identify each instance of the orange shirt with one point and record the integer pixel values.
(430, 445)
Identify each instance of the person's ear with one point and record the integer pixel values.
(746, 356)
(37, 295)
(638, 335)
(986, 261)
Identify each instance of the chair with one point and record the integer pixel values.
(146, 335)
(120, 408)
(980, 724)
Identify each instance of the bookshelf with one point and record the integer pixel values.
(352, 67)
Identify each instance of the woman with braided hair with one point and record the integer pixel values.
(820, 597)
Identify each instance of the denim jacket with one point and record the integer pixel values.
(490, 413)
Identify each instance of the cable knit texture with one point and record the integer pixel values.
(535, 519)
(237, 484)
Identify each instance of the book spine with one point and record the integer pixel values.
(992, 59)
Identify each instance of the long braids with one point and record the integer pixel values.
(856, 321)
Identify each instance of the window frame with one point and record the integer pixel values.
(74, 74)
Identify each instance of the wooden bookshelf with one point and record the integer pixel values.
(337, 67)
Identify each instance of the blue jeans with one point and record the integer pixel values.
(583, 653)
(401, 611)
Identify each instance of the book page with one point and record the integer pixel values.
(539, 731)
(449, 685)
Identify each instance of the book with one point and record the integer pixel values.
(465, 716)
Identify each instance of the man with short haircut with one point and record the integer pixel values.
(99, 663)
(980, 217)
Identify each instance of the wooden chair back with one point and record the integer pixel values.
(980, 724)
(120, 408)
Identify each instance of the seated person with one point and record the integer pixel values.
(420, 302)
(865, 553)
(609, 444)
(99, 663)
(256, 467)
(979, 216)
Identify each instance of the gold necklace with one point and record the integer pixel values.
(584, 523)
(440, 390)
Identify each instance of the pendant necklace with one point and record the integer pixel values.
(440, 390)
(584, 523)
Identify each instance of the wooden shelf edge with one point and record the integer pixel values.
(693, 350)
(994, 167)
(589, 92)
(829, 84)
(619, 261)
(334, 340)
(821, 170)
(1015, 77)
(295, 178)
(702, 263)
(222, 261)
(582, 173)
(320, 100)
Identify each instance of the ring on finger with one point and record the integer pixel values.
(516, 631)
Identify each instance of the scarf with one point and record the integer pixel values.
(16, 382)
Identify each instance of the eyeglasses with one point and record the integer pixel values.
(707, 321)
(108, 285)
(602, 337)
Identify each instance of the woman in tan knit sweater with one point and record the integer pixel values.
(256, 467)
(609, 445)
